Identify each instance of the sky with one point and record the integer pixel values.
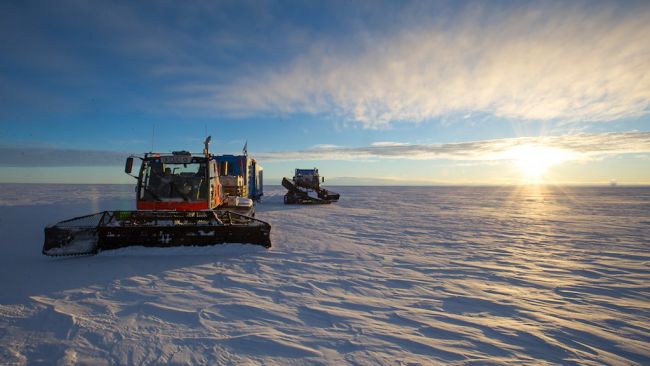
(395, 92)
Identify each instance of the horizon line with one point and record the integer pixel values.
(617, 185)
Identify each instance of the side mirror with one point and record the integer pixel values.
(128, 167)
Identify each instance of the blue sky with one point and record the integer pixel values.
(385, 92)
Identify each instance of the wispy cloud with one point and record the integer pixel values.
(546, 61)
(56, 157)
(578, 147)
(388, 143)
(325, 146)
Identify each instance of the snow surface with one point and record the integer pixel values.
(391, 275)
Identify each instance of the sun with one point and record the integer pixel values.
(534, 160)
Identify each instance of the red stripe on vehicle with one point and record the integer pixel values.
(173, 206)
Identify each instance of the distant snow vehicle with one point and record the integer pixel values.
(181, 201)
(305, 189)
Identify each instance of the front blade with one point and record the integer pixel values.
(77, 236)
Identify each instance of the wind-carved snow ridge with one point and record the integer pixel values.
(395, 276)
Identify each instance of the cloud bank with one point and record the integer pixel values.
(575, 147)
(546, 61)
(12, 156)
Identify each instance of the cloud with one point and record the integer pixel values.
(572, 147)
(388, 143)
(325, 146)
(11, 156)
(546, 61)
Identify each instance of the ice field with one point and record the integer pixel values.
(388, 275)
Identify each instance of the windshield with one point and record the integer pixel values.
(173, 182)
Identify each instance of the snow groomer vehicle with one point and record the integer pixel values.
(305, 188)
(180, 201)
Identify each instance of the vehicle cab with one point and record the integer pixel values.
(179, 182)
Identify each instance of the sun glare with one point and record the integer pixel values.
(534, 160)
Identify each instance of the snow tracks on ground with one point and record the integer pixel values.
(393, 276)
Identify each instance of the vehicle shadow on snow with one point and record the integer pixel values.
(34, 274)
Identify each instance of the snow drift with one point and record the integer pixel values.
(453, 275)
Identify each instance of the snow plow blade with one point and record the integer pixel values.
(107, 230)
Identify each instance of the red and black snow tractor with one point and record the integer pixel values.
(305, 189)
(180, 202)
